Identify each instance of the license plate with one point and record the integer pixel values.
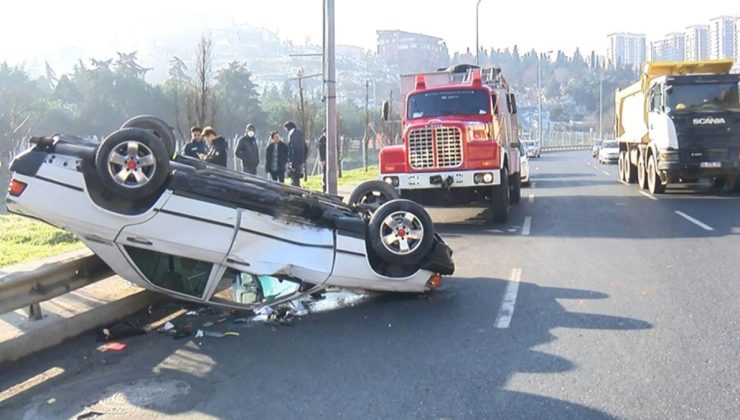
(711, 164)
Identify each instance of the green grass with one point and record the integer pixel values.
(351, 176)
(23, 239)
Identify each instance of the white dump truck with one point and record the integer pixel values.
(680, 123)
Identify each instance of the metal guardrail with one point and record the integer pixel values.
(567, 148)
(55, 276)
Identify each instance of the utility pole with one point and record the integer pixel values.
(366, 138)
(539, 94)
(301, 103)
(601, 106)
(477, 43)
(330, 72)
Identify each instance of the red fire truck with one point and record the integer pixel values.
(460, 140)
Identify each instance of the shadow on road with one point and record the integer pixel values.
(413, 356)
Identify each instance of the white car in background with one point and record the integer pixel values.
(609, 152)
(524, 166)
(207, 234)
(533, 148)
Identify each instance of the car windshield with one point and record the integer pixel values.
(609, 145)
(448, 102)
(703, 97)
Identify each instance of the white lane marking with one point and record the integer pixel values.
(531, 198)
(624, 182)
(606, 173)
(527, 226)
(30, 383)
(694, 221)
(595, 167)
(649, 196)
(506, 312)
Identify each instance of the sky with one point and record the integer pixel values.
(32, 28)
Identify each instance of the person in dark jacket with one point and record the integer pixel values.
(217, 147)
(296, 153)
(276, 157)
(248, 151)
(322, 157)
(196, 147)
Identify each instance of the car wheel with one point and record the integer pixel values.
(156, 125)
(401, 232)
(641, 173)
(371, 195)
(730, 184)
(132, 163)
(516, 188)
(500, 200)
(654, 184)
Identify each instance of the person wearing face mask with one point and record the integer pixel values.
(248, 151)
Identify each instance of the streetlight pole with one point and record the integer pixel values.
(477, 42)
(330, 74)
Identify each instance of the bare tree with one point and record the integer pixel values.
(203, 75)
(178, 83)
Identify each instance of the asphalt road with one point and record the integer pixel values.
(595, 301)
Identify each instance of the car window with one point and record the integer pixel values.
(179, 274)
(246, 289)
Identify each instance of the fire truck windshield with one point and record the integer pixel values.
(448, 102)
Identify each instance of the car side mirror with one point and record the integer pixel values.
(385, 111)
(512, 103)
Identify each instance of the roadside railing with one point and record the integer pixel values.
(27, 285)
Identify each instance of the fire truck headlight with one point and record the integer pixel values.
(478, 178)
(488, 178)
(393, 180)
(483, 178)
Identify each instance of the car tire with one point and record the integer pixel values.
(159, 127)
(391, 229)
(655, 186)
(730, 184)
(371, 195)
(128, 152)
(641, 173)
(500, 200)
(516, 188)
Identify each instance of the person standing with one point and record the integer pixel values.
(248, 151)
(217, 147)
(296, 153)
(196, 147)
(322, 157)
(276, 157)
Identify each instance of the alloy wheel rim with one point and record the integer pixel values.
(132, 164)
(401, 233)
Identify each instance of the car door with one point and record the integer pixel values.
(265, 245)
(181, 248)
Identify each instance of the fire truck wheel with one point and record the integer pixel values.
(621, 165)
(500, 199)
(516, 188)
(401, 232)
(372, 194)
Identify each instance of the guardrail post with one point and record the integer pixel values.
(34, 312)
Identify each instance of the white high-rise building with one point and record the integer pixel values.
(722, 38)
(696, 44)
(670, 48)
(626, 49)
(737, 41)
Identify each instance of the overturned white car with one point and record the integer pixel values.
(208, 234)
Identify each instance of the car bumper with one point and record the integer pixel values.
(700, 169)
(442, 179)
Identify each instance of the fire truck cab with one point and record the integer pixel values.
(460, 140)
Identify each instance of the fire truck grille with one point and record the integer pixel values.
(445, 141)
(449, 147)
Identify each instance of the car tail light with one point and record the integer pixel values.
(16, 188)
(435, 281)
